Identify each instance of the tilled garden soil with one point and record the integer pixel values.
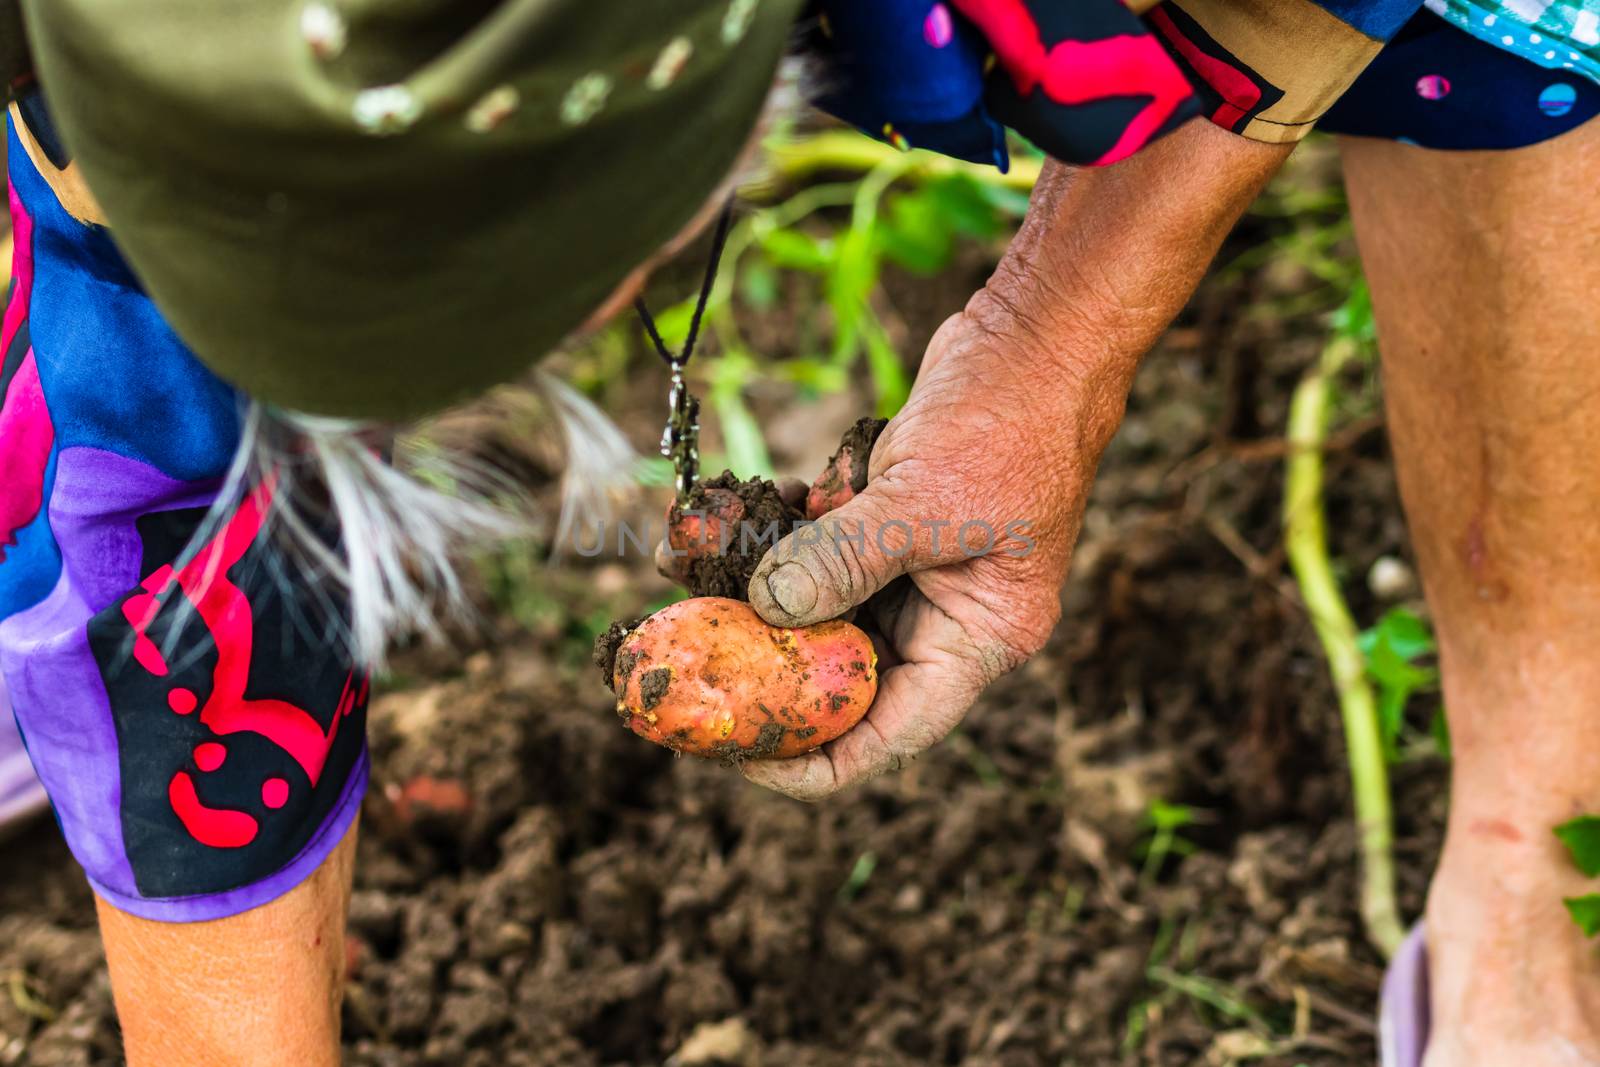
(537, 886)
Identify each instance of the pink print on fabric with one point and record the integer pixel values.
(1076, 72)
(26, 437)
(1239, 94)
(937, 29)
(1433, 87)
(21, 270)
(26, 433)
(226, 611)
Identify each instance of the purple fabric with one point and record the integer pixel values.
(45, 656)
(20, 792)
(1403, 1013)
(46, 659)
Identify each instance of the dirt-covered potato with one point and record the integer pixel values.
(708, 677)
(846, 473)
(715, 542)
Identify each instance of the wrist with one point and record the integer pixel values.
(1074, 365)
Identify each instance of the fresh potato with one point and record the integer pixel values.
(715, 542)
(691, 537)
(708, 677)
(846, 472)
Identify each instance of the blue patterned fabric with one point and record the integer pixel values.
(920, 73)
(1438, 87)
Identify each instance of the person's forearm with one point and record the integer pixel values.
(1108, 257)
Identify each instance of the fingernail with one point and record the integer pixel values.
(793, 588)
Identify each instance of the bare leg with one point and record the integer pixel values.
(1485, 271)
(254, 990)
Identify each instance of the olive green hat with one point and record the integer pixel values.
(377, 207)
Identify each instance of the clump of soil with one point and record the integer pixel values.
(721, 547)
(606, 646)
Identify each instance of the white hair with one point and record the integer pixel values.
(366, 525)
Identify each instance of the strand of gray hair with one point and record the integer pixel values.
(367, 529)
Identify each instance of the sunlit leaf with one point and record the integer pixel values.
(1353, 319)
(1585, 911)
(1581, 835)
(849, 284)
(794, 250)
(916, 235)
(741, 435)
(1162, 815)
(1391, 649)
(673, 323)
(960, 198)
(814, 374)
(889, 378)
(758, 284)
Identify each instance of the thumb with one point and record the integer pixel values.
(825, 568)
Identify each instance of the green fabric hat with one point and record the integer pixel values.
(377, 207)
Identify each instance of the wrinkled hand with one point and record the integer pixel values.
(992, 438)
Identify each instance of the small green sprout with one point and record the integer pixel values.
(858, 877)
(1581, 836)
(1163, 821)
(1392, 650)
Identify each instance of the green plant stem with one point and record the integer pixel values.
(1306, 541)
(792, 159)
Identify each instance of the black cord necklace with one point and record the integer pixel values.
(680, 441)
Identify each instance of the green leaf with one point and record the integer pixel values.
(1390, 647)
(1391, 717)
(889, 377)
(1005, 199)
(1440, 728)
(916, 235)
(1585, 911)
(1407, 633)
(741, 434)
(1161, 815)
(859, 874)
(1403, 631)
(794, 250)
(758, 284)
(673, 324)
(1388, 668)
(961, 200)
(810, 372)
(1353, 319)
(849, 284)
(1582, 838)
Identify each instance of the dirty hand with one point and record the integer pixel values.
(974, 496)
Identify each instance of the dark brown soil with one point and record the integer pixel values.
(750, 516)
(583, 898)
(604, 654)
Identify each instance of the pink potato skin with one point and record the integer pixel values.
(693, 536)
(832, 489)
(708, 677)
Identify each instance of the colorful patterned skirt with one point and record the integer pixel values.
(203, 749)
